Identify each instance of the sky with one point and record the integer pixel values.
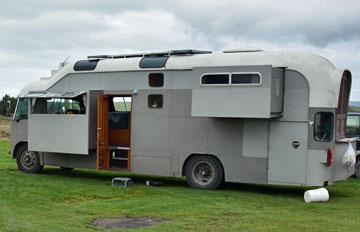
(36, 35)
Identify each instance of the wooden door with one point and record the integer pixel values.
(102, 134)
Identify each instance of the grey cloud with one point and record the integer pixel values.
(37, 34)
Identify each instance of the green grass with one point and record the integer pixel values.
(4, 127)
(54, 201)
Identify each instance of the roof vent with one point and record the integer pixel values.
(184, 52)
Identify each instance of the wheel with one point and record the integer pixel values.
(28, 161)
(357, 167)
(204, 172)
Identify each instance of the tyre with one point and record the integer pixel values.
(28, 161)
(204, 172)
(357, 167)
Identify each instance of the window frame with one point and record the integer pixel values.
(157, 73)
(247, 84)
(332, 126)
(17, 107)
(230, 74)
(357, 126)
(61, 103)
(213, 74)
(162, 101)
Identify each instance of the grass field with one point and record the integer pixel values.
(55, 201)
(4, 127)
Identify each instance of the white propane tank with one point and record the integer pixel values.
(316, 195)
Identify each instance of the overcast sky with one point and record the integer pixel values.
(36, 35)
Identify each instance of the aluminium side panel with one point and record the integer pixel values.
(60, 133)
(236, 101)
(296, 97)
(287, 161)
(277, 91)
(150, 135)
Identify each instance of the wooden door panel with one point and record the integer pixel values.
(102, 134)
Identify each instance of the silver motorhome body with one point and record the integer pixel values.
(257, 113)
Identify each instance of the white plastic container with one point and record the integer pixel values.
(316, 195)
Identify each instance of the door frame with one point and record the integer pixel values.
(102, 130)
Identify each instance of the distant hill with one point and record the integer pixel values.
(354, 103)
(354, 106)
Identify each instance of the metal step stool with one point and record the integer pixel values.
(121, 182)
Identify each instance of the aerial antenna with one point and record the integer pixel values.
(62, 64)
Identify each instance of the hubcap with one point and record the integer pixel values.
(203, 173)
(28, 159)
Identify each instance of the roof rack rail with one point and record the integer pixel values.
(183, 52)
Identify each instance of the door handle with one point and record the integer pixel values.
(98, 128)
(295, 144)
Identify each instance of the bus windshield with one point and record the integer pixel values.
(21, 111)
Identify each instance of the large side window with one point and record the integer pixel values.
(58, 106)
(21, 111)
(323, 126)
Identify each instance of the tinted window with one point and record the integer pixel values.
(353, 126)
(215, 79)
(323, 126)
(155, 101)
(58, 106)
(22, 109)
(153, 62)
(156, 79)
(85, 65)
(245, 78)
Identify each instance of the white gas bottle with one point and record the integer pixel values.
(316, 195)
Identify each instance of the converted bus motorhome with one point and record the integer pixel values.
(247, 116)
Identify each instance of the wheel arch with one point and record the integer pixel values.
(17, 146)
(200, 154)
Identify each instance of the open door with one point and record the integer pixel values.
(102, 135)
(113, 132)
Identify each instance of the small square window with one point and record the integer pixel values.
(323, 128)
(156, 79)
(155, 101)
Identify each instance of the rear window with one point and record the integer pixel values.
(323, 126)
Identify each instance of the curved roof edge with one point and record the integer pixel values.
(322, 76)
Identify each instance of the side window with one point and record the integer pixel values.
(156, 79)
(155, 101)
(121, 104)
(21, 111)
(352, 126)
(119, 112)
(323, 126)
(58, 106)
(215, 79)
(245, 78)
